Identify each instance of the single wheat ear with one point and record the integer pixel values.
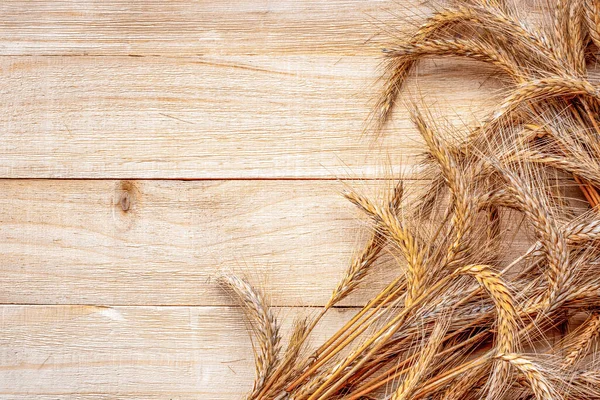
(362, 264)
(592, 18)
(263, 323)
(507, 330)
(422, 364)
(540, 386)
(583, 340)
(391, 226)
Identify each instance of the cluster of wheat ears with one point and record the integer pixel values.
(468, 315)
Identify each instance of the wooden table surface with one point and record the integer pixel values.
(146, 145)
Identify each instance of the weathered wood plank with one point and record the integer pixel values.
(72, 242)
(162, 242)
(195, 27)
(87, 352)
(211, 117)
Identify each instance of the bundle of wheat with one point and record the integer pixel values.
(458, 322)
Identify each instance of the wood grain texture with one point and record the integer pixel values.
(163, 242)
(195, 28)
(259, 117)
(76, 105)
(88, 352)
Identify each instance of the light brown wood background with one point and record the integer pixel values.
(145, 145)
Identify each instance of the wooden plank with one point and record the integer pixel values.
(71, 242)
(195, 27)
(87, 352)
(213, 117)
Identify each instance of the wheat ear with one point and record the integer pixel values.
(414, 374)
(540, 386)
(263, 323)
(592, 17)
(544, 88)
(550, 236)
(362, 264)
(456, 47)
(507, 315)
(585, 337)
(398, 68)
(464, 200)
(391, 226)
